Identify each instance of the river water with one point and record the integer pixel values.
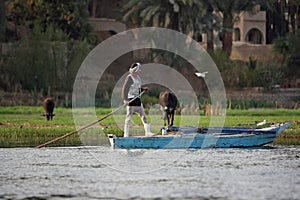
(103, 173)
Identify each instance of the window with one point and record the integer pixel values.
(237, 34)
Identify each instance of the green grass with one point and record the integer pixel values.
(25, 126)
(264, 112)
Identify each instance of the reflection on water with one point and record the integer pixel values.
(104, 173)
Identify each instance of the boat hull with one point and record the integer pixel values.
(213, 138)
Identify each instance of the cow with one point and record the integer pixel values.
(168, 101)
(48, 105)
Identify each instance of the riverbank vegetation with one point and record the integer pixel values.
(41, 54)
(24, 126)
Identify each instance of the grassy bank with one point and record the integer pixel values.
(24, 126)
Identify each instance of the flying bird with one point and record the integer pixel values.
(201, 74)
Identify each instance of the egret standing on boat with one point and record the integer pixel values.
(132, 87)
(262, 123)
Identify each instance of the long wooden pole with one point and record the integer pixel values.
(87, 126)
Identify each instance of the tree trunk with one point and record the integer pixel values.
(292, 9)
(210, 41)
(175, 22)
(282, 14)
(298, 19)
(94, 8)
(227, 42)
(210, 32)
(227, 33)
(2, 22)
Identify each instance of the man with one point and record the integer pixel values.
(131, 89)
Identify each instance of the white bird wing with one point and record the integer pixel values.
(201, 74)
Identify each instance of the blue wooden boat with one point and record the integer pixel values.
(194, 137)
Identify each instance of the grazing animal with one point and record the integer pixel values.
(48, 107)
(168, 101)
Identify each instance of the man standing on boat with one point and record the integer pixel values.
(132, 87)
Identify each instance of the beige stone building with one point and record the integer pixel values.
(250, 27)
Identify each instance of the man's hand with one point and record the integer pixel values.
(126, 102)
(145, 88)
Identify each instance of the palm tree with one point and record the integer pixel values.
(229, 10)
(281, 17)
(210, 22)
(179, 15)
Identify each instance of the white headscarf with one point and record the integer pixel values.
(134, 68)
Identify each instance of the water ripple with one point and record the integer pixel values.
(85, 173)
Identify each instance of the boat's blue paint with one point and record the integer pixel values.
(225, 137)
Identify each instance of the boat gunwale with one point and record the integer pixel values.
(270, 133)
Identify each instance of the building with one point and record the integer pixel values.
(250, 27)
